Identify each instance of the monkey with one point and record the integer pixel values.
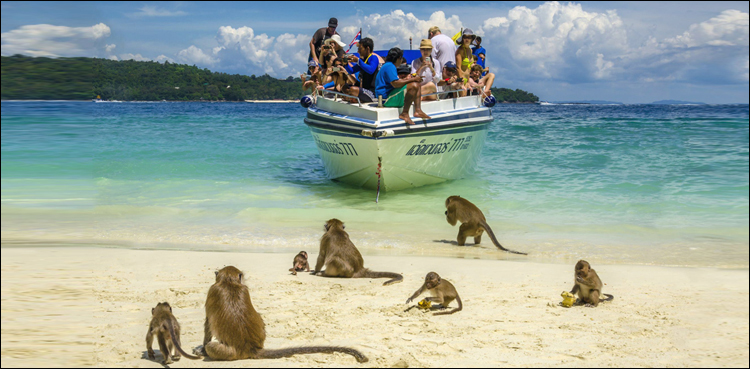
(442, 292)
(473, 223)
(342, 259)
(167, 331)
(300, 263)
(239, 329)
(588, 285)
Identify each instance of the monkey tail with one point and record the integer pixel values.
(609, 297)
(367, 273)
(496, 242)
(176, 343)
(459, 308)
(276, 354)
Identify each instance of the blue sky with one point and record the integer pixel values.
(618, 51)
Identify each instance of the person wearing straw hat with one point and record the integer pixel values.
(464, 54)
(321, 35)
(429, 69)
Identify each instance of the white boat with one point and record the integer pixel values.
(369, 146)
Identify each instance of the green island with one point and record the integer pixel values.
(40, 78)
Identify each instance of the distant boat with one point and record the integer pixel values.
(545, 103)
(98, 99)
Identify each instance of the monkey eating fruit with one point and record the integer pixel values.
(588, 285)
(442, 291)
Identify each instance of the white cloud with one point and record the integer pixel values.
(241, 50)
(555, 41)
(55, 41)
(194, 55)
(136, 57)
(730, 28)
(163, 58)
(394, 29)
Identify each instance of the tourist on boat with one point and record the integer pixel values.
(321, 35)
(479, 84)
(364, 95)
(428, 68)
(479, 51)
(339, 76)
(312, 79)
(334, 43)
(464, 55)
(366, 64)
(326, 66)
(451, 82)
(399, 92)
(444, 49)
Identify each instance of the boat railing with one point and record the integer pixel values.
(336, 93)
(380, 104)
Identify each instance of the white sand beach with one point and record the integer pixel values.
(91, 307)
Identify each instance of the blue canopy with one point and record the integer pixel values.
(409, 55)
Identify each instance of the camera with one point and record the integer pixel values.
(336, 69)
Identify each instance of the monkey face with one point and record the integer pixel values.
(582, 268)
(303, 254)
(432, 280)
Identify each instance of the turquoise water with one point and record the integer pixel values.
(642, 184)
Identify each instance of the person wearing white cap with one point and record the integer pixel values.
(337, 46)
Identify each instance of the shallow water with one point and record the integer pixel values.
(641, 184)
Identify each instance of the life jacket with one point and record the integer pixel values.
(368, 80)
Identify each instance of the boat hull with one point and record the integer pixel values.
(445, 148)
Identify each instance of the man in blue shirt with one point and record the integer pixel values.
(366, 64)
(480, 52)
(399, 92)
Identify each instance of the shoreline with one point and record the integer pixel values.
(62, 302)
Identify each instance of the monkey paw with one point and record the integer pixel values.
(409, 300)
(200, 351)
(151, 356)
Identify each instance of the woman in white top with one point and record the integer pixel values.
(430, 70)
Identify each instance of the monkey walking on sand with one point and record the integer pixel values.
(442, 291)
(342, 259)
(588, 285)
(167, 331)
(239, 329)
(300, 263)
(473, 222)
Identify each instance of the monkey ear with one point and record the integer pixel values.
(216, 273)
(343, 226)
(152, 311)
(241, 277)
(325, 226)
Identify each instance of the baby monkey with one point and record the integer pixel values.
(300, 263)
(167, 331)
(588, 285)
(442, 292)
